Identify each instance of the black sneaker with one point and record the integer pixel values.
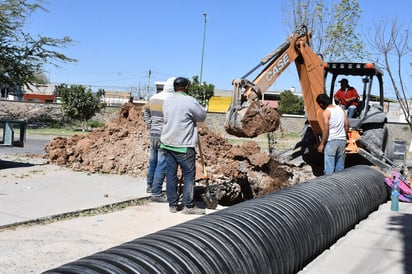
(149, 189)
(159, 199)
(193, 210)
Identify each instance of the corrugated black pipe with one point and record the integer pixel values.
(279, 233)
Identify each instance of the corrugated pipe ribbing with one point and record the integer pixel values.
(279, 233)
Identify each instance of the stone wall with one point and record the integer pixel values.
(40, 113)
(43, 114)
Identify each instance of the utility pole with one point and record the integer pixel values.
(203, 47)
(148, 84)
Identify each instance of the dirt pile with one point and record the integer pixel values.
(120, 147)
(237, 172)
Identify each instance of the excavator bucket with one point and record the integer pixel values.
(252, 121)
(247, 115)
(249, 118)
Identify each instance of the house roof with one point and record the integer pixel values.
(43, 89)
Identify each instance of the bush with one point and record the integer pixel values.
(291, 103)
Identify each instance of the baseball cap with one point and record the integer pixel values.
(344, 80)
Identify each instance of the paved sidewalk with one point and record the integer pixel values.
(379, 244)
(40, 192)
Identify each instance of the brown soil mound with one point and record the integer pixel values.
(236, 172)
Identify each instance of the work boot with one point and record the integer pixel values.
(159, 199)
(193, 210)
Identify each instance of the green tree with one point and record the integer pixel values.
(202, 92)
(79, 103)
(291, 103)
(333, 25)
(22, 55)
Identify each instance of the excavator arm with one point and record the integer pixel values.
(247, 116)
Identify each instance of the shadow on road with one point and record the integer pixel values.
(11, 164)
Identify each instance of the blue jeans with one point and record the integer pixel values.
(157, 166)
(186, 161)
(334, 156)
(351, 110)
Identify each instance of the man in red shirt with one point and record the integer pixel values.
(347, 97)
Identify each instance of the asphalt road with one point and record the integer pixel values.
(34, 145)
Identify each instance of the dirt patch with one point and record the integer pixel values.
(236, 172)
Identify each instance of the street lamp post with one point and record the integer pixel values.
(203, 48)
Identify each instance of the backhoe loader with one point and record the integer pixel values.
(368, 140)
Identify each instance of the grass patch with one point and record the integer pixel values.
(69, 129)
(96, 124)
(55, 131)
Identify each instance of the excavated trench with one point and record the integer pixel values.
(236, 172)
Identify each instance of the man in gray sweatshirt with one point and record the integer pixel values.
(179, 137)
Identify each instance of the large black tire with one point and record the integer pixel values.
(373, 140)
(385, 138)
(377, 138)
(390, 148)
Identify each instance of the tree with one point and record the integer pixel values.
(391, 38)
(22, 55)
(202, 92)
(41, 78)
(79, 103)
(290, 103)
(333, 25)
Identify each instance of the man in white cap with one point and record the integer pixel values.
(153, 116)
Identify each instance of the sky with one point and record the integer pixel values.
(118, 42)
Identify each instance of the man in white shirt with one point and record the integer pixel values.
(334, 134)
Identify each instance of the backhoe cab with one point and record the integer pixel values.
(369, 140)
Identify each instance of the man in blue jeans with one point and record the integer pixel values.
(334, 134)
(153, 116)
(179, 138)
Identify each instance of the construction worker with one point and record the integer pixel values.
(347, 97)
(334, 135)
(179, 138)
(153, 116)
